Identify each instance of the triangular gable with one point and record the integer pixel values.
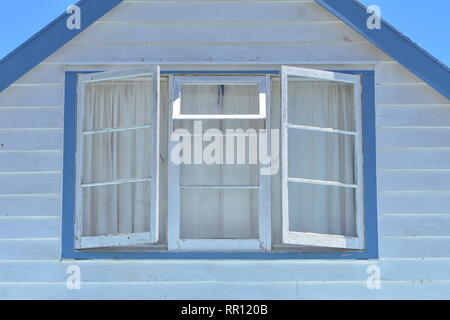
(353, 13)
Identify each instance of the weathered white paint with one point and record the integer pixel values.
(413, 124)
(119, 239)
(315, 239)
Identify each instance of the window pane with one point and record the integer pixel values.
(321, 156)
(321, 209)
(219, 214)
(118, 103)
(215, 174)
(325, 104)
(236, 148)
(220, 99)
(117, 155)
(114, 209)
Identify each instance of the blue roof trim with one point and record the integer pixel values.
(48, 40)
(393, 43)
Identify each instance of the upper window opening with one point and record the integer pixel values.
(219, 97)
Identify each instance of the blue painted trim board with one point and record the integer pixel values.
(370, 188)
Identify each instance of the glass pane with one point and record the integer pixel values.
(321, 156)
(325, 104)
(226, 175)
(220, 99)
(322, 209)
(117, 155)
(113, 209)
(236, 147)
(118, 103)
(219, 214)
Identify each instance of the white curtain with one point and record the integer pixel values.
(112, 156)
(318, 155)
(212, 213)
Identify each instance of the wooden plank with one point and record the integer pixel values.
(414, 225)
(414, 202)
(248, 271)
(29, 249)
(414, 116)
(20, 140)
(388, 291)
(393, 72)
(187, 53)
(415, 247)
(413, 180)
(23, 228)
(407, 94)
(148, 271)
(413, 159)
(228, 290)
(152, 290)
(43, 74)
(32, 96)
(407, 269)
(227, 11)
(413, 137)
(31, 117)
(30, 205)
(11, 161)
(218, 33)
(30, 183)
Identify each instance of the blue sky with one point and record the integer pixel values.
(426, 22)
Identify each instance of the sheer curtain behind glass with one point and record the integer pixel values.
(219, 213)
(320, 156)
(117, 163)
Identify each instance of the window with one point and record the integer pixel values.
(117, 167)
(217, 204)
(183, 162)
(322, 159)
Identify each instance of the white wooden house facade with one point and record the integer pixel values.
(409, 227)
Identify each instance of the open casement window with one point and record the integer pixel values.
(322, 173)
(223, 203)
(117, 158)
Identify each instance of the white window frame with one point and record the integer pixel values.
(175, 243)
(218, 80)
(316, 239)
(83, 242)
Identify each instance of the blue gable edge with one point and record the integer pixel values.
(48, 40)
(353, 13)
(370, 187)
(393, 43)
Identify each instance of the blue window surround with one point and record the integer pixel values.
(370, 189)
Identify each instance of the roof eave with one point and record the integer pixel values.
(393, 43)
